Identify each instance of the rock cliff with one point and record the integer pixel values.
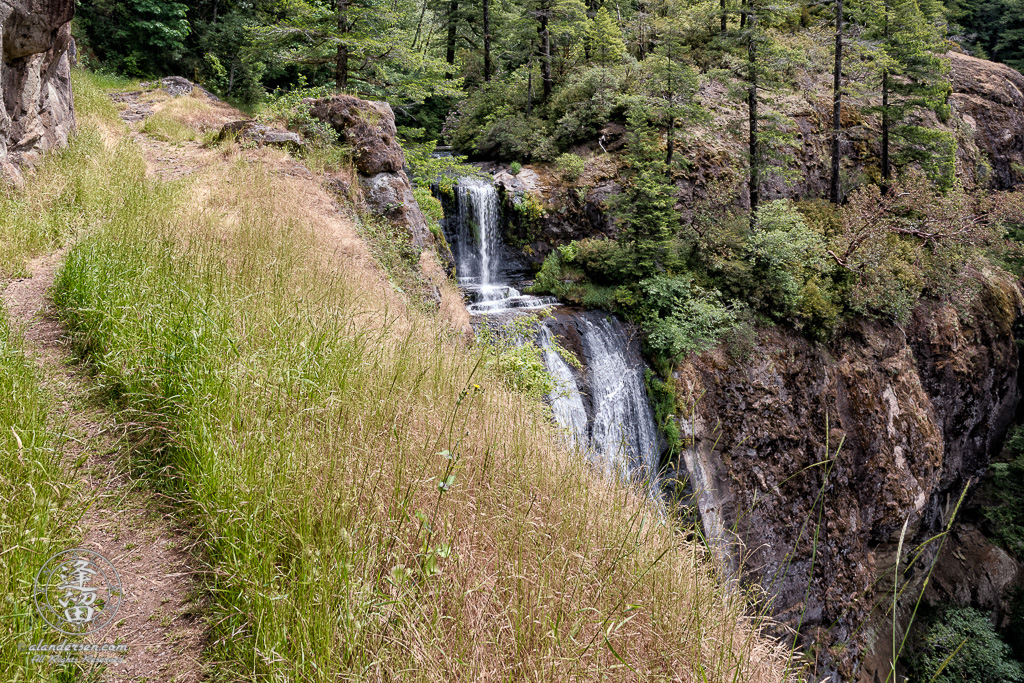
(368, 129)
(35, 76)
(808, 460)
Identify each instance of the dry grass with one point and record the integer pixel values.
(374, 503)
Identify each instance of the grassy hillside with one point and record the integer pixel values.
(369, 501)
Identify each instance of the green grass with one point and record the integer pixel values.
(37, 514)
(66, 191)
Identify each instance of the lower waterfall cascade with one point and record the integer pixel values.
(604, 408)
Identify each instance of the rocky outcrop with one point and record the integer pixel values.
(38, 112)
(990, 98)
(974, 572)
(368, 128)
(260, 134)
(808, 461)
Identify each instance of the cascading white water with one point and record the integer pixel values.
(619, 434)
(476, 241)
(566, 400)
(479, 213)
(622, 427)
(615, 427)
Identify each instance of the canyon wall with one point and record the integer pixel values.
(809, 460)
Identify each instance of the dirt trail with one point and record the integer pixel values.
(160, 617)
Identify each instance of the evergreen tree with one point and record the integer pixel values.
(604, 39)
(366, 43)
(913, 74)
(645, 209)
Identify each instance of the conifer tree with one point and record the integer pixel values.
(645, 209)
(604, 39)
(913, 72)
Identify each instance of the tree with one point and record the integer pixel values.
(137, 37)
(913, 72)
(366, 43)
(645, 209)
(837, 103)
(604, 39)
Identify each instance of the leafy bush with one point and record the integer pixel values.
(959, 644)
(1005, 488)
(680, 317)
(586, 102)
(570, 166)
(515, 167)
(791, 269)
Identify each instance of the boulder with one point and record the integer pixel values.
(260, 134)
(367, 127)
(390, 195)
(38, 112)
(990, 98)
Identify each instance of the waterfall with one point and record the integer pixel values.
(604, 409)
(618, 432)
(474, 234)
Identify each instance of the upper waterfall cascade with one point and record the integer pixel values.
(604, 407)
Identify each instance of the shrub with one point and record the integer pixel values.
(1005, 489)
(680, 317)
(570, 166)
(515, 168)
(959, 644)
(790, 269)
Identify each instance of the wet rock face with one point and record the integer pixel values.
(38, 112)
(810, 459)
(990, 98)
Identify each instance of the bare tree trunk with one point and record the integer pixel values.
(487, 40)
(231, 78)
(545, 55)
(837, 105)
(529, 89)
(453, 27)
(670, 144)
(886, 170)
(755, 160)
(721, 6)
(341, 59)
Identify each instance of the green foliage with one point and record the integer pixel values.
(959, 644)
(645, 209)
(570, 166)
(603, 39)
(428, 169)
(662, 395)
(790, 270)
(514, 354)
(1005, 488)
(680, 317)
(515, 167)
(136, 37)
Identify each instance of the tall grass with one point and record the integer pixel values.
(372, 503)
(36, 511)
(39, 501)
(69, 189)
